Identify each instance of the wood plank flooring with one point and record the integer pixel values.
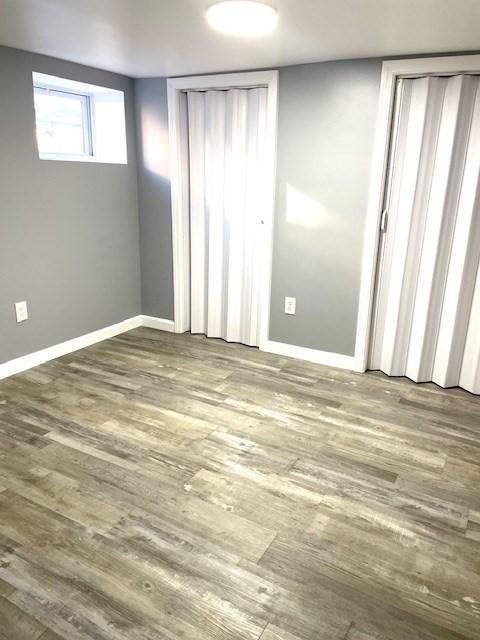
(169, 487)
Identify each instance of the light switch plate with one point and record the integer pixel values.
(290, 306)
(21, 311)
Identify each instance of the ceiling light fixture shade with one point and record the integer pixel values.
(244, 18)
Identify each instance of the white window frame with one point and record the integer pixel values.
(391, 72)
(87, 122)
(180, 186)
(97, 121)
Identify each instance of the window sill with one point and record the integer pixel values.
(72, 158)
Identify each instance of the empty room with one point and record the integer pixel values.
(239, 320)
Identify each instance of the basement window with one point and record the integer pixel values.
(79, 122)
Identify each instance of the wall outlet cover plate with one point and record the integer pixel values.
(290, 306)
(21, 311)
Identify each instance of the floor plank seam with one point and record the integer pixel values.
(263, 630)
(268, 547)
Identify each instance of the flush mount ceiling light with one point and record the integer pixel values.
(245, 18)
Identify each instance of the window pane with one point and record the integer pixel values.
(61, 121)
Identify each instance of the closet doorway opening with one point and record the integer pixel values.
(424, 313)
(223, 148)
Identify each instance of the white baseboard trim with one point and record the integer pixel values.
(24, 363)
(312, 355)
(31, 360)
(158, 323)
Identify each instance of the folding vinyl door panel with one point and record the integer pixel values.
(227, 147)
(427, 316)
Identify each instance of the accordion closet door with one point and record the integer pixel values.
(427, 311)
(227, 153)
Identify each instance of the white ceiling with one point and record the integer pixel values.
(171, 37)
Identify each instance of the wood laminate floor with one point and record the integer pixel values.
(167, 487)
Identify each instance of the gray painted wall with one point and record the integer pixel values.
(68, 230)
(327, 116)
(86, 250)
(154, 197)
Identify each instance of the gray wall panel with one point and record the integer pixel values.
(68, 230)
(327, 115)
(154, 197)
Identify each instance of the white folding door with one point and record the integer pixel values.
(227, 151)
(427, 313)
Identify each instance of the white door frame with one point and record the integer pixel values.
(391, 71)
(180, 185)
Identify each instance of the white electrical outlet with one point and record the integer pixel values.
(21, 311)
(290, 306)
